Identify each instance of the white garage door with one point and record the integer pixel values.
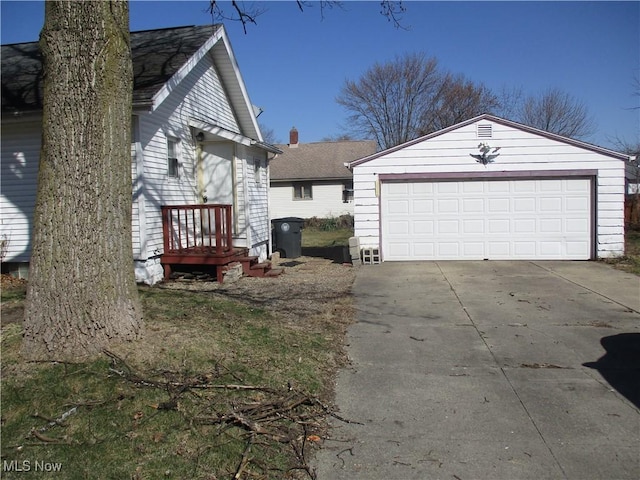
(487, 219)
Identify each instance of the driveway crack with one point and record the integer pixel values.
(504, 374)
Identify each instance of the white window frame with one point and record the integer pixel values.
(257, 170)
(302, 191)
(173, 162)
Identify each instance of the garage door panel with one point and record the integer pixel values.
(551, 204)
(449, 249)
(448, 206)
(577, 225)
(423, 249)
(422, 188)
(423, 227)
(495, 219)
(402, 227)
(398, 189)
(524, 205)
(444, 188)
(498, 187)
(551, 225)
(499, 205)
(399, 207)
(499, 227)
(422, 206)
(473, 227)
(474, 249)
(498, 250)
(551, 186)
(577, 204)
(577, 248)
(523, 186)
(447, 227)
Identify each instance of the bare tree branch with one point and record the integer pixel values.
(557, 112)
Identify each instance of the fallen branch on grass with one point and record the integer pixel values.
(285, 415)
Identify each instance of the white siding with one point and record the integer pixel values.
(20, 144)
(200, 96)
(326, 202)
(196, 93)
(258, 203)
(521, 151)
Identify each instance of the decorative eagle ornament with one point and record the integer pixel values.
(487, 155)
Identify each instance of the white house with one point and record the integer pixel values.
(311, 180)
(489, 188)
(195, 140)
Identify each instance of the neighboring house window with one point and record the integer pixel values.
(302, 191)
(347, 192)
(173, 165)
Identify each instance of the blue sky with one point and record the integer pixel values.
(294, 63)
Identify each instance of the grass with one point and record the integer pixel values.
(327, 232)
(316, 237)
(630, 262)
(150, 411)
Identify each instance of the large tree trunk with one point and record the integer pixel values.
(82, 294)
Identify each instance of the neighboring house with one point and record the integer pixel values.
(195, 139)
(311, 180)
(540, 196)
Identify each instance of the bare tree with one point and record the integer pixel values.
(82, 294)
(408, 97)
(248, 12)
(557, 112)
(459, 99)
(391, 100)
(338, 137)
(268, 134)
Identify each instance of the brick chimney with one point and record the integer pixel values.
(293, 138)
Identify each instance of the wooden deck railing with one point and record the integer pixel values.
(204, 229)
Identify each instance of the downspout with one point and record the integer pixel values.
(268, 180)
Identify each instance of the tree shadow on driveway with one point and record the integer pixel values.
(620, 366)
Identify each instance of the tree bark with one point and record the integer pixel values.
(82, 295)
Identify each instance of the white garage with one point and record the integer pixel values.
(491, 189)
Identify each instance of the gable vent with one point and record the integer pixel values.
(485, 130)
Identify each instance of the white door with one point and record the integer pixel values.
(487, 219)
(216, 182)
(216, 178)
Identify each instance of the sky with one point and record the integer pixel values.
(295, 63)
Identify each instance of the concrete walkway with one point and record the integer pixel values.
(490, 370)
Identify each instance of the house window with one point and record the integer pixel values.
(172, 157)
(257, 170)
(302, 191)
(347, 192)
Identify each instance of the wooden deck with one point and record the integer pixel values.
(203, 235)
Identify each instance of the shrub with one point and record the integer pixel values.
(330, 223)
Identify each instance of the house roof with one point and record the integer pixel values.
(321, 160)
(502, 121)
(157, 55)
(161, 60)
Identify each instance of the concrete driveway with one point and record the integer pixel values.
(490, 370)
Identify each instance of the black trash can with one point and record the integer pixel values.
(287, 236)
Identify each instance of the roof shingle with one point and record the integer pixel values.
(157, 55)
(321, 160)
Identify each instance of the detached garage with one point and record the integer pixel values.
(489, 188)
